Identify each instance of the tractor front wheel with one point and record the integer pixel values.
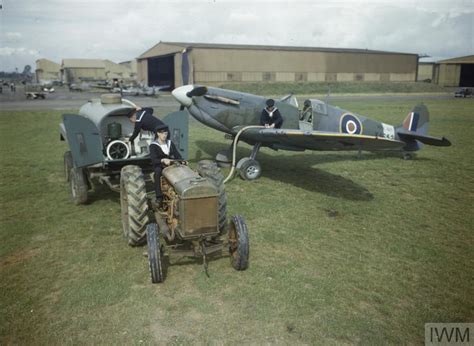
(155, 253)
(238, 243)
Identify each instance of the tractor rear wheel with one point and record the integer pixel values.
(155, 253)
(134, 207)
(210, 170)
(67, 164)
(238, 243)
(78, 184)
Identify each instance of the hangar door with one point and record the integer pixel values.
(161, 71)
(467, 75)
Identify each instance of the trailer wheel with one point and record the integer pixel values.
(67, 164)
(210, 170)
(238, 243)
(133, 204)
(155, 253)
(78, 184)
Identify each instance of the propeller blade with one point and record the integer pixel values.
(197, 91)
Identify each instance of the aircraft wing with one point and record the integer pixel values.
(292, 139)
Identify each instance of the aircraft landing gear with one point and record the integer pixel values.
(249, 168)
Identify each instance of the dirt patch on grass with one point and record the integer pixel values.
(18, 257)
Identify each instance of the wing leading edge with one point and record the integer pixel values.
(317, 140)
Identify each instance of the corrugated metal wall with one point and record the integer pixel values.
(226, 65)
(75, 75)
(217, 65)
(425, 71)
(448, 74)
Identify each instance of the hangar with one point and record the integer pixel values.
(425, 69)
(455, 72)
(180, 63)
(47, 71)
(83, 70)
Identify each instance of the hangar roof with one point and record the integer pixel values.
(47, 65)
(82, 63)
(468, 59)
(264, 47)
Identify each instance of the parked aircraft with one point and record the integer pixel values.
(318, 126)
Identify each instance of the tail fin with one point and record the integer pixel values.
(414, 130)
(417, 120)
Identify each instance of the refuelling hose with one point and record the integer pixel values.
(234, 148)
(130, 103)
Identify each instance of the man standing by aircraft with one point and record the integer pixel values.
(144, 120)
(271, 117)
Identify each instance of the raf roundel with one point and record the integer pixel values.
(350, 124)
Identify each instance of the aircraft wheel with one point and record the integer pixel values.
(408, 156)
(134, 206)
(67, 164)
(238, 243)
(155, 253)
(78, 184)
(249, 169)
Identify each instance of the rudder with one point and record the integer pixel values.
(417, 120)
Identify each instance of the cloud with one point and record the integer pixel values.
(10, 37)
(123, 29)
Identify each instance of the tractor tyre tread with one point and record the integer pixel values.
(134, 205)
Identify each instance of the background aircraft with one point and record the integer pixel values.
(318, 126)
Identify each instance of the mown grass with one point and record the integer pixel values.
(343, 249)
(310, 88)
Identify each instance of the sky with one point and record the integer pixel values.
(121, 30)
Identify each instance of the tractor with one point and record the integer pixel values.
(191, 221)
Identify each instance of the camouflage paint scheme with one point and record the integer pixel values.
(321, 127)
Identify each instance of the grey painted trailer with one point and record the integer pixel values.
(98, 143)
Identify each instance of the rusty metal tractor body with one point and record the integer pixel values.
(189, 221)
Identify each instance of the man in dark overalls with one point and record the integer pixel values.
(162, 151)
(144, 120)
(271, 117)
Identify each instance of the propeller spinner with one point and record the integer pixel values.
(185, 93)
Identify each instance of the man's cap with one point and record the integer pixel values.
(270, 102)
(161, 128)
(131, 112)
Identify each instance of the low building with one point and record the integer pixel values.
(117, 71)
(47, 71)
(82, 70)
(88, 70)
(426, 66)
(179, 63)
(455, 72)
(132, 66)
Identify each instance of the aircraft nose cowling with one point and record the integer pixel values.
(180, 95)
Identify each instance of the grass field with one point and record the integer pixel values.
(344, 250)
